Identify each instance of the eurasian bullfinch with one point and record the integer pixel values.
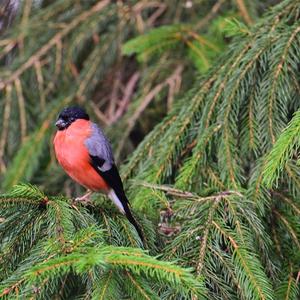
(85, 154)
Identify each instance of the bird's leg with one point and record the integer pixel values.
(85, 198)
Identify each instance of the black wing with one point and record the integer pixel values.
(113, 179)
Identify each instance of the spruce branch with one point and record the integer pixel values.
(286, 145)
(57, 38)
(217, 144)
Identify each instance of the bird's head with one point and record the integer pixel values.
(70, 115)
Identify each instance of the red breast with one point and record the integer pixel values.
(73, 155)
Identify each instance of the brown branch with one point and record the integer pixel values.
(40, 80)
(292, 175)
(114, 95)
(5, 125)
(210, 15)
(156, 14)
(185, 194)
(123, 104)
(59, 53)
(298, 278)
(24, 23)
(7, 49)
(174, 87)
(99, 114)
(139, 288)
(144, 104)
(13, 287)
(244, 12)
(150, 96)
(58, 65)
(139, 7)
(21, 103)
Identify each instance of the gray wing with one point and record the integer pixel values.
(102, 161)
(99, 148)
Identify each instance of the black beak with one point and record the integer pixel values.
(60, 124)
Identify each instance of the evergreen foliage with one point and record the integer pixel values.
(56, 53)
(158, 40)
(200, 183)
(212, 148)
(285, 148)
(64, 250)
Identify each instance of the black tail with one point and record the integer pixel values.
(113, 179)
(132, 220)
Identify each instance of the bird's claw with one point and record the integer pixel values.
(85, 199)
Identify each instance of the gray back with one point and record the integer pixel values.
(98, 145)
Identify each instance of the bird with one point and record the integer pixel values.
(85, 154)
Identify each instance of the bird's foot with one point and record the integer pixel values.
(86, 198)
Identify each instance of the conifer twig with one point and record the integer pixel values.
(188, 195)
(5, 125)
(57, 37)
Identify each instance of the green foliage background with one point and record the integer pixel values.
(200, 101)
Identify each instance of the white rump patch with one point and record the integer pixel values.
(112, 195)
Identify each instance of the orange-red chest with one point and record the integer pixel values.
(73, 155)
